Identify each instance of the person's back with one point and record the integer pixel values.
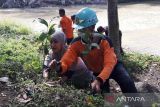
(66, 25)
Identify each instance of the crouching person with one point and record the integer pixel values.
(98, 54)
(58, 48)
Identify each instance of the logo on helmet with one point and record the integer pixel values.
(78, 21)
(84, 18)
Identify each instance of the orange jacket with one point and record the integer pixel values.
(100, 61)
(66, 24)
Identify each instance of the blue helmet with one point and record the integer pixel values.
(84, 18)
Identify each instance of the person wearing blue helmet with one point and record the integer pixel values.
(98, 54)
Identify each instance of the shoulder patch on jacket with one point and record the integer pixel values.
(76, 39)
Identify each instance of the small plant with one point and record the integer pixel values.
(45, 37)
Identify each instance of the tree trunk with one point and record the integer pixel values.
(113, 25)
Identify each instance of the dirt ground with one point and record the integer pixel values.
(6, 93)
(150, 79)
(146, 82)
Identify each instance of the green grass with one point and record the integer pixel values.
(20, 51)
(18, 44)
(138, 63)
(9, 28)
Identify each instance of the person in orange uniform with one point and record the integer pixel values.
(98, 54)
(66, 25)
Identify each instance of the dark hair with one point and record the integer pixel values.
(100, 29)
(62, 11)
(73, 17)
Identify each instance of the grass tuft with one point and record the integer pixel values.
(11, 29)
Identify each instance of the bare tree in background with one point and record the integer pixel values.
(113, 24)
